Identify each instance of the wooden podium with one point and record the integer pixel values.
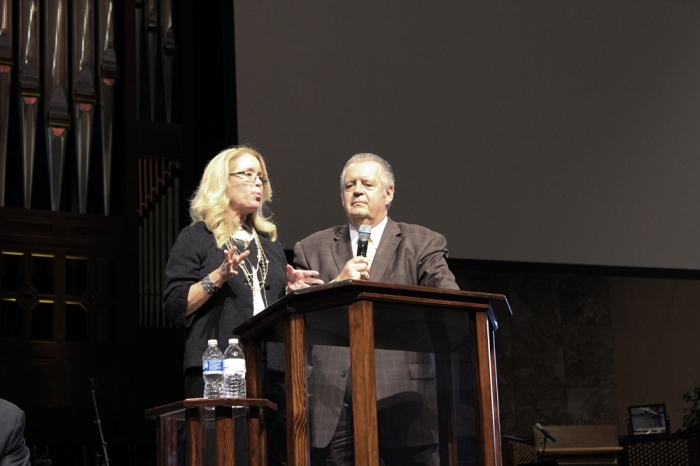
(457, 327)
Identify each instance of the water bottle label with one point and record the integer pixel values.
(234, 365)
(213, 366)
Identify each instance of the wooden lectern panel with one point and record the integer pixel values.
(257, 439)
(225, 433)
(196, 446)
(364, 316)
(297, 438)
(487, 408)
(364, 387)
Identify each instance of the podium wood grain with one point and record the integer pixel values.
(364, 384)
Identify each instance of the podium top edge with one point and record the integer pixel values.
(394, 288)
(169, 408)
(347, 291)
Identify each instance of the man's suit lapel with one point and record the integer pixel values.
(385, 253)
(341, 249)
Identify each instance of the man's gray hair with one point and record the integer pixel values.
(387, 176)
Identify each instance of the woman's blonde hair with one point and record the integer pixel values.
(210, 202)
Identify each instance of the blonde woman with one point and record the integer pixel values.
(227, 265)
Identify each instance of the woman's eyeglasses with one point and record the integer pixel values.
(250, 175)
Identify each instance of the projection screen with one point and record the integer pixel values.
(560, 132)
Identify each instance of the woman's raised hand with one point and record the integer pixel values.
(228, 267)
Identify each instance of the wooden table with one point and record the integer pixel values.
(191, 416)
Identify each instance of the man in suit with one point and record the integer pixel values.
(13, 451)
(398, 253)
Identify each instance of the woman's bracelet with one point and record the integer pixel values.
(209, 286)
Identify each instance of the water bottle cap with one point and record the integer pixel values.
(231, 341)
(212, 342)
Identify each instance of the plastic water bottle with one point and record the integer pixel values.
(234, 370)
(213, 371)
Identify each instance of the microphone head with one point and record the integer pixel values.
(538, 426)
(364, 232)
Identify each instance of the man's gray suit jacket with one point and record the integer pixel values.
(407, 254)
(13, 450)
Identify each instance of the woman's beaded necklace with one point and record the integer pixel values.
(249, 271)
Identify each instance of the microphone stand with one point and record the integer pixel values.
(93, 386)
(542, 461)
(544, 446)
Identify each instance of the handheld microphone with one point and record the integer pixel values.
(364, 234)
(545, 432)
